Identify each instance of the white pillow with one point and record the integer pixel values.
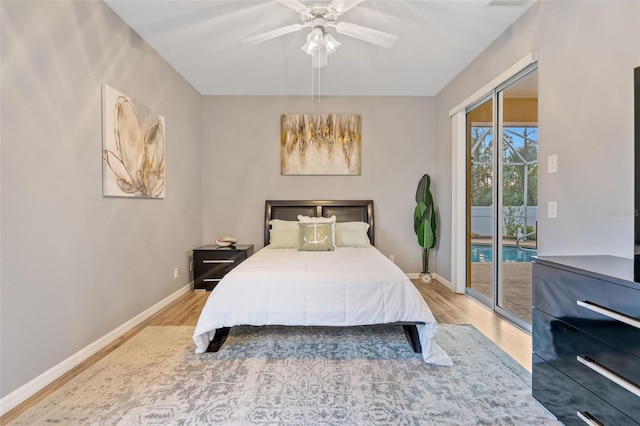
(331, 220)
(284, 238)
(309, 219)
(279, 224)
(284, 233)
(352, 234)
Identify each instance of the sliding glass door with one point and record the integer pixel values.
(519, 193)
(502, 166)
(480, 200)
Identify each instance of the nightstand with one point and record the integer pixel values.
(211, 263)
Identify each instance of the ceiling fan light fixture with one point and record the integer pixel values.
(331, 43)
(315, 40)
(317, 35)
(309, 48)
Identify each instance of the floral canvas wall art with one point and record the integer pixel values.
(320, 144)
(133, 147)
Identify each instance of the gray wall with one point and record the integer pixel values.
(75, 265)
(241, 165)
(587, 54)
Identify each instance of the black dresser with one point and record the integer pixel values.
(586, 339)
(212, 263)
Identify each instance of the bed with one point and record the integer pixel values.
(351, 284)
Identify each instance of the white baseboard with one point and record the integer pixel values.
(439, 278)
(29, 389)
(444, 281)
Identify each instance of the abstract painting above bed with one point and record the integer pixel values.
(320, 144)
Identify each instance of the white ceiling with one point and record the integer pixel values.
(202, 41)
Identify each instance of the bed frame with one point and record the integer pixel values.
(344, 211)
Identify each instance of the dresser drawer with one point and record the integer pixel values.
(594, 306)
(565, 398)
(610, 373)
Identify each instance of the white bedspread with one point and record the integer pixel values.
(344, 287)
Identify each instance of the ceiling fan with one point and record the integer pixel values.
(319, 17)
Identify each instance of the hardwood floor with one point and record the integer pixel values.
(453, 308)
(447, 307)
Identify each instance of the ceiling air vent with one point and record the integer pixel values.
(507, 2)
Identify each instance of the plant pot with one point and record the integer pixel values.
(425, 277)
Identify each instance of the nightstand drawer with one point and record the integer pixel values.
(225, 261)
(212, 263)
(214, 270)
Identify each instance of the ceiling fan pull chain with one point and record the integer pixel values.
(312, 85)
(319, 70)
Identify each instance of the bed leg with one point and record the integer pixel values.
(411, 331)
(218, 339)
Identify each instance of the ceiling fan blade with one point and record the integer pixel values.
(259, 38)
(341, 6)
(294, 4)
(377, 37)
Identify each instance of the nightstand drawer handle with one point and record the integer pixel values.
(208, 280)
(603, 371)
(609, 313)
(219, 261)
(588, 419)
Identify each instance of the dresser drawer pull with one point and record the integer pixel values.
(609, 313)
(588, 419)
(219, 261)
(208, 280)
(603, 371)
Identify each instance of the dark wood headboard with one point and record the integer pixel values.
(344, 210)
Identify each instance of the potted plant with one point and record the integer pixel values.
(424, 223)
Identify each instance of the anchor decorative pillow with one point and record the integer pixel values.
(316, 236)
(331, 220)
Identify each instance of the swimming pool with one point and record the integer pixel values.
(484, 253)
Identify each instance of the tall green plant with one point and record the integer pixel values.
(424, 220)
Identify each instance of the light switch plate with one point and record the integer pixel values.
(552, 209)
(552, 165)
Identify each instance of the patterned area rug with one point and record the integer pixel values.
(296, 376)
